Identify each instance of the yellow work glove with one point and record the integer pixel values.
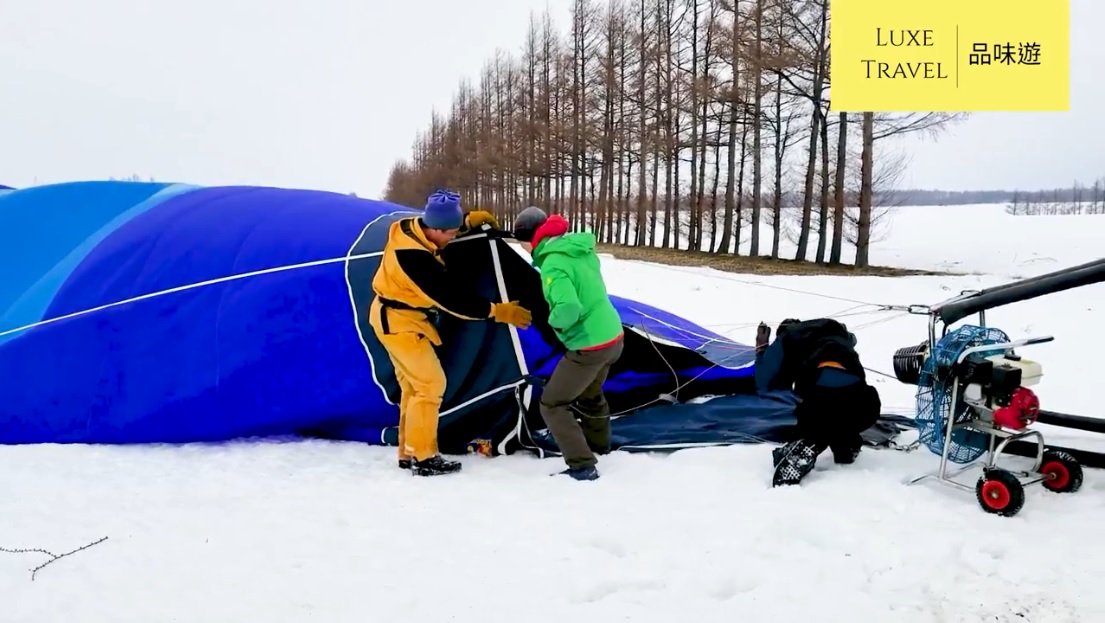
(511, 313)
(475, 218)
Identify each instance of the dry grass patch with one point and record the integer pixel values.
(754, 266)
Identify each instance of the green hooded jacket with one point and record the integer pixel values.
(580, 310)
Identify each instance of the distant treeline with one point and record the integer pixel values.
(914, 197)
(918, 197)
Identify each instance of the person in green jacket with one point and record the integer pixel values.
(580, 312)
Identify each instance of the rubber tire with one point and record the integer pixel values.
(1057, 459)
(999, 482)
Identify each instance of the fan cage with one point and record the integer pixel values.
(934, 395)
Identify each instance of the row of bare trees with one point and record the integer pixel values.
(672, 123)
(1073, 201)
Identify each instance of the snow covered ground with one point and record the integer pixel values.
(315, 531)
(945, 238)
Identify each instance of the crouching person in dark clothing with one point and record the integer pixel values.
(817, 359)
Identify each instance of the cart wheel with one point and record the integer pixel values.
(1000, 493)
(1063, 472)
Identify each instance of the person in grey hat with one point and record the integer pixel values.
(587, 323)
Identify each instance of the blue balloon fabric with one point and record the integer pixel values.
(138, 312)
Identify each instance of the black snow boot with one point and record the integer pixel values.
(845, 455)
(404, 463)
(794, 461)
(846, 450)
(434, 466)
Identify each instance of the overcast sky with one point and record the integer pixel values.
(328, 93)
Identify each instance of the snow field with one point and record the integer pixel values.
(319, 531)
(980, 238)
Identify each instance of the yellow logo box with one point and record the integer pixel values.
(949, 55)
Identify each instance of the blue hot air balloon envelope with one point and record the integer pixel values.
(138, 312)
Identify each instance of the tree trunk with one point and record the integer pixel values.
(777, 200)
(642, 132)
(740, 188)
(731, 148)
(823, 213)
(863, 231)
(838, 191)
(757, 121)
(694, 221)
(713, 190)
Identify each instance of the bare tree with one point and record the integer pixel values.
(757, 115)
(733, 112)
(640, 120)
(839, 190)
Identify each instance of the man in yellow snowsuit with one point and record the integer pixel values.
(411, 288)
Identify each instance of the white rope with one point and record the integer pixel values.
(193, 286)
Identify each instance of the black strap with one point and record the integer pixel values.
(393, 304)
(386, 304)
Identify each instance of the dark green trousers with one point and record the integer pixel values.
(574, 407)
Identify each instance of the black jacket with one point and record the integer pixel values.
(792, 360)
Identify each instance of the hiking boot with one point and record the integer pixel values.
(434, 466)
(847, 449)
(794, 461)
(583, 472)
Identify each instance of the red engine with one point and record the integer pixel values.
(1022, 410)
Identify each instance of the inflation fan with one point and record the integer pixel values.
(974, 399)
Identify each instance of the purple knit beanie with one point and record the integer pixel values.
(443, 210)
